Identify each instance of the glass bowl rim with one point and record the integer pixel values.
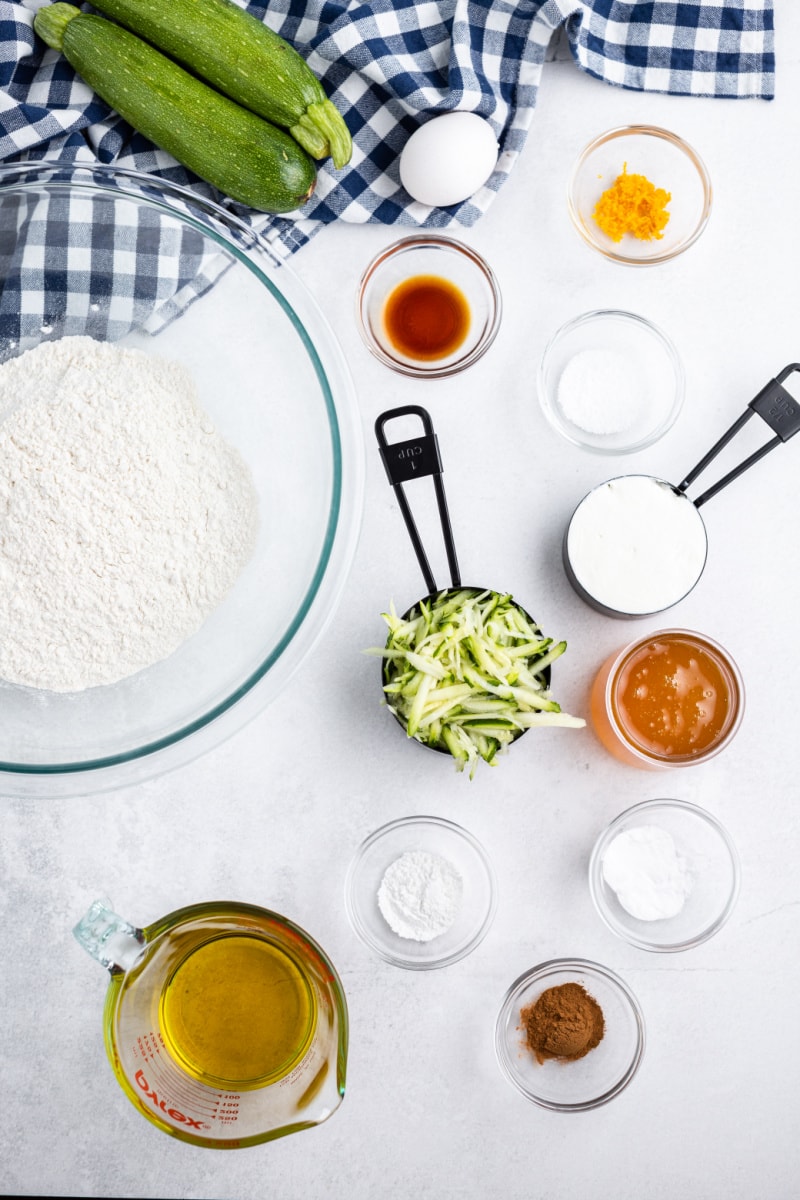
(239, 240)
(580, 966)
(731, 665)
(372, 839)
(421, 241)
(679, 143)
(595, 864)
(626, 317)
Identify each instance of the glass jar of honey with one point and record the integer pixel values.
(671, 699)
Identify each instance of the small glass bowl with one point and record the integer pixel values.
(655, 366)
(602, 1073)
(433, 835)
(668, 162)
(706, 846)
(445, 258)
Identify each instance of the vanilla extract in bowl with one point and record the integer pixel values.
(428, 306)
(426, 317)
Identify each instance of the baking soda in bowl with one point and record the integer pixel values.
(634, 546)
(650, 878)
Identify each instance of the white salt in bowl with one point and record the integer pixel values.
(611, 382)
(436, 836)
(712, 862)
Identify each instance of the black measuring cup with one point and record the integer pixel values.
(418, 458)
(593, 554)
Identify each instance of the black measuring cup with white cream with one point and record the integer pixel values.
(637, 545)
(417, 458)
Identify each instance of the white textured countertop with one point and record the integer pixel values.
(274, 815)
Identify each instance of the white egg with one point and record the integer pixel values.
(448, 158)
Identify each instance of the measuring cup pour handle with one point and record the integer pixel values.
(114, 943)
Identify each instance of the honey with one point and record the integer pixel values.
(426, 318)
(673, 699)
(237, 1012)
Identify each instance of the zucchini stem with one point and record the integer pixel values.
(329, 121)
(310, 137)
(51, 22)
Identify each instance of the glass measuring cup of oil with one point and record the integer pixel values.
(225, 1024)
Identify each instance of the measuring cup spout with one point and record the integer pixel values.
(114, 943)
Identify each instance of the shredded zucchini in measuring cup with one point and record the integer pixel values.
(465, 672)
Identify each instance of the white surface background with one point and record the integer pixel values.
(273, 816)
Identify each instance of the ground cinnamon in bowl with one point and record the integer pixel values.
(564, 1023)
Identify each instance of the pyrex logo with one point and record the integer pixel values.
(161, 1104)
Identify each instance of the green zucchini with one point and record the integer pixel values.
(241, 154)
(245, 60)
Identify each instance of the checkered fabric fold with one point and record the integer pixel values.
(101, 264)
(389, 65)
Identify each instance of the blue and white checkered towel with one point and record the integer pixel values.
(388, 65)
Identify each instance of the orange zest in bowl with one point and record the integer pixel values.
(633, 205)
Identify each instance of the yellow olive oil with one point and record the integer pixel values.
(237, 1012)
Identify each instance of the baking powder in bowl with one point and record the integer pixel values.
(635, 545)
(125, 517)
(420, 895)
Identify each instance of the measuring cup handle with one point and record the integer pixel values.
(777, 408)
(112, 942)
(414, 459)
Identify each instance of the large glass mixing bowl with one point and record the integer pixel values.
(124, 257)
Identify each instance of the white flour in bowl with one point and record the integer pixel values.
(125, 517)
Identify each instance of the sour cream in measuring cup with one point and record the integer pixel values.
(634, 546)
